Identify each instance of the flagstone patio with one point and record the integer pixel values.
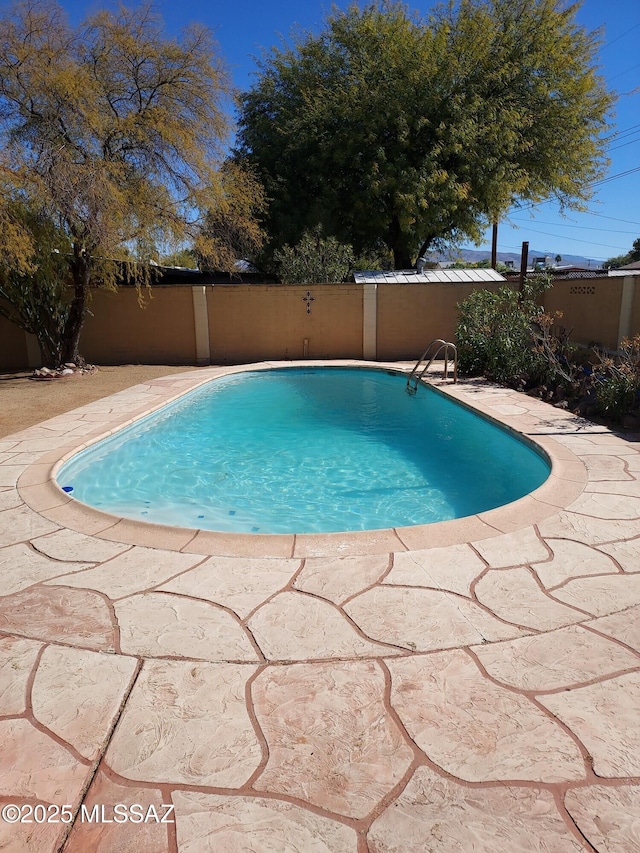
(472, 685)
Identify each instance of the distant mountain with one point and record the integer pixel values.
(475, 255)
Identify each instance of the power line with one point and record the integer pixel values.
(624, 144)
(593, 184)
(615, 177)
(622, 35)
(622, 73)
(621, 134)
(502, 247)
(567, 225)
(612, 218)
(577, 240)
(625, 131)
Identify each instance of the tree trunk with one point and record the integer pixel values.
(398, 245)
(81, 273)
(402, 258)
(425, 247)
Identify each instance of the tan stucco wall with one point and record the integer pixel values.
(255, 322)
(410, 316)
(590, 308)
(635, 313)
(118, 331)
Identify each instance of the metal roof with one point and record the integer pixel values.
(444, 276)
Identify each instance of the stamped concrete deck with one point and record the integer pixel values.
(466, 686)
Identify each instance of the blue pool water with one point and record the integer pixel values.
(298, 450)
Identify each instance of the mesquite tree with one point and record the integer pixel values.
(389, 127)
(113, 131)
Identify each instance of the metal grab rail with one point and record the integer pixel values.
(446, 346)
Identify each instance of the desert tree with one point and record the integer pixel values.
(631, 256)
(418, 131)
(114, 132)
(34, 277)
(232, 225)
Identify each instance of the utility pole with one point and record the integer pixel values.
(523, 265)
(494, 244)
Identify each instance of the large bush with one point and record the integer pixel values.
(506, 336)
(495, 338)
(618, 380)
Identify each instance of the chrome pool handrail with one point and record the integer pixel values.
(442, 345)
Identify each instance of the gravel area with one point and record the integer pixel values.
(25, 401)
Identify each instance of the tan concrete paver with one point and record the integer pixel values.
(164, 625)
(293, 626)
(627, 554)
(605, 718)
(187, 723)
(475, 729)
(602, 594)
(514, 595)
(34, 766)
(17, 660)
(435, 813)
(556, 659)
(604, 468)
(209, 824)
(70, 545)
(114, 833)
(615, 487)
(423, 619)
(609, 816)
(77, 695)
(43, 837)
(633, 464)
(21, 523)
(331, 741)
(9, 499)
(239, 583)
(10, 474)
(233, 545)
(21, 566)
(587, 529)
(512, 549)
(399, 690)
(453, 568)
(572, 559)
(341, 577)
(136, 570)
(624, 626)
(605, 443)
(606, 506)
(347, 544)
(77, 617)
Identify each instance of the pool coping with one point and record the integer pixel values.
(38, 488)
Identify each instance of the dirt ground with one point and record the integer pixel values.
(25, 401)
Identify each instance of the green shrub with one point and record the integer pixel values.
(494, 335)
(316, 259)
(618, 380)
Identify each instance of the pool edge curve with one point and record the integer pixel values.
(38, 488)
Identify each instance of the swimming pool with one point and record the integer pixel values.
(303, 450)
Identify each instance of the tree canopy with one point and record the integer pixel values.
(33, 284)
(389, 127)
(622, 260)
(113, 132)
(314, 260)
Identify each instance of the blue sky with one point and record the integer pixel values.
(243, 28)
